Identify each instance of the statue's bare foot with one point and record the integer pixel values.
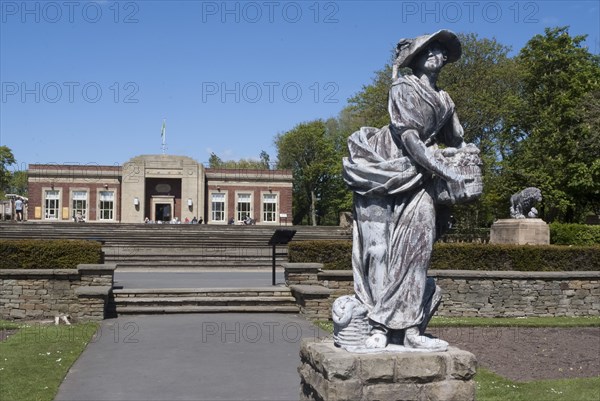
(377, 340)
(413, 339)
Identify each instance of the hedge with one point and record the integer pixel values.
(48, 254)
(560, 234)
(515, 257)
(334, 254)
(337, 255)
(574, 234)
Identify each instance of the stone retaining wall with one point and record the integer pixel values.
(487, 294)
(83, 293)
(517, 294)
(314, 301)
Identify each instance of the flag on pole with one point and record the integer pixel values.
(163, 136)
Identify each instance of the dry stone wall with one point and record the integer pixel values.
(83, 293)
(478, 293)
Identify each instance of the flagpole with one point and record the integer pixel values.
(163, 135)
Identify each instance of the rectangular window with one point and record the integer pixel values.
(79, 205)
(218, 207)
(269, 207)
(107, 205)
(243, 206)
(52, 205)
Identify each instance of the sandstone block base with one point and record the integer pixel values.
(520, 232)
(328, 373)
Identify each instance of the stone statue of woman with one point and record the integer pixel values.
(401, 178)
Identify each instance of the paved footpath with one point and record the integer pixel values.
(229, 357)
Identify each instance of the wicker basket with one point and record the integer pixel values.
(465, 161)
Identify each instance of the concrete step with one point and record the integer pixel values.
(276, 291)
(206, 265)
(204, 300)
(174, 257)
(147, 310)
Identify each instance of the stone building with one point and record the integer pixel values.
(160, 188)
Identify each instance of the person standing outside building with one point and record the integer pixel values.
(19, 209)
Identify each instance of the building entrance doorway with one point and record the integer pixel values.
(162, 211)
(162, 208)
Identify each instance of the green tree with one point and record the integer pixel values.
(309, 152)
(265, 160)
(368, 107)
(556, 124)
(483, 84)
(18, 183)
(243, 164)
(214, 161)
(7, 159)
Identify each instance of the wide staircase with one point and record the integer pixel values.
(183, 246)
(144, 248)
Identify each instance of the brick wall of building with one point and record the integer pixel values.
(66, 178)
(94, 178)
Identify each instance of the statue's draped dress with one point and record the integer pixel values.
(395, 214)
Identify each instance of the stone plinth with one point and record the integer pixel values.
(520, 232)
(329, 373)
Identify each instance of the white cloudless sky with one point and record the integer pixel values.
(90, 82)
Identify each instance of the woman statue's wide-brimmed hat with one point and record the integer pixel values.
(407, 49)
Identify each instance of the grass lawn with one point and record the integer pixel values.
(492, 387)
(561, 321)
(34, 361)
(4, 325)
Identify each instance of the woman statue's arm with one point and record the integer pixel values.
(457, 133)
(424, 157)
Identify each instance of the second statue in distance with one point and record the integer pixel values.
(404, 177)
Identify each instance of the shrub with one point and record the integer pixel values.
(515, 257)
(574, 234)
(48, 254)
(336, 255)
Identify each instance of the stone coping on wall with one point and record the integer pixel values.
(511, 274)
(297, 267)
(39, 272)
(515, 275)
(336, 275)
(91, 291)
(311, 290)
(97, 267)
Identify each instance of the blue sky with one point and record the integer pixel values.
(90, 81)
